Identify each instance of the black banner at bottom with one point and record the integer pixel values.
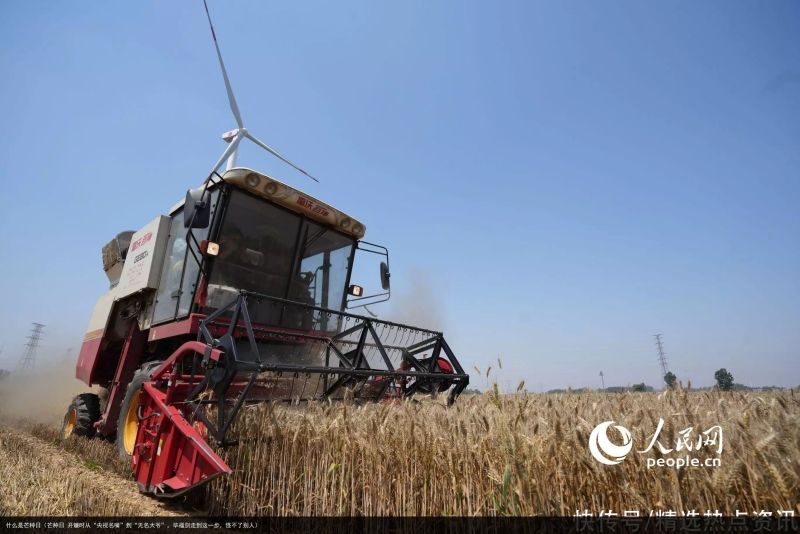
(415, 525)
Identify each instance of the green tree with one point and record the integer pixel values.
(670, 379)
(724, 379)
(639, 387)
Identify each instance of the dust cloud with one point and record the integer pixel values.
(42, 395)
(417, 303)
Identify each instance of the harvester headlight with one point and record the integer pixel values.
(355, 290)
(271, 188)
(345, 222)
(252, 180)
(209, 247)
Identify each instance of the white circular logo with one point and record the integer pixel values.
(603, 450)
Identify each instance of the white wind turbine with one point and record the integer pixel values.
(235, 136)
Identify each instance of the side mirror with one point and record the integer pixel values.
(360, 298)
(197, 208)
(385, 274)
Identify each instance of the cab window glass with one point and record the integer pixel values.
(174, 257)
(180, 272)
(256, 249)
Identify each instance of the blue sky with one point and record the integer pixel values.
(556, 181)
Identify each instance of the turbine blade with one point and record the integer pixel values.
(231, 147)
(231, 98)
(276, 154)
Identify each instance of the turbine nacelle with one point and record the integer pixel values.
(230, 134)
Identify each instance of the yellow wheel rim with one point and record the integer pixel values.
(131, 424)
(70, 426)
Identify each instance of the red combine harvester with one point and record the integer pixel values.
(238, 296)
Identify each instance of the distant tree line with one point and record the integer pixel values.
(723, 378)
(610, 389)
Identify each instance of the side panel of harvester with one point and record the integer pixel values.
(139, 276)
(142, 269)
(93, 338)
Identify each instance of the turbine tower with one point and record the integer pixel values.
(28, 360)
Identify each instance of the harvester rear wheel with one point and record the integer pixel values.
(82, 414)
(128, 424)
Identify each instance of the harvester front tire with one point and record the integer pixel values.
(82, 414)
(128, 422)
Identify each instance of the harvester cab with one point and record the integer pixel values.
(239, 295)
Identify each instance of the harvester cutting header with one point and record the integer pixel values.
(238, 295)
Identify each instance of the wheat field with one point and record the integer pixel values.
(488, 455)
(494, 454)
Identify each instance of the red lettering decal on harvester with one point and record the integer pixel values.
(313, 207)
(141, 241)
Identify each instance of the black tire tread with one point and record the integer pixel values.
(87, 406)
